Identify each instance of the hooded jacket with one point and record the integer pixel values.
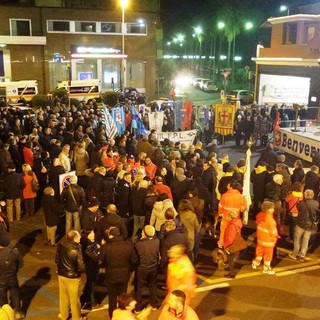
(191, 224)
(233, 227)
(158, 212)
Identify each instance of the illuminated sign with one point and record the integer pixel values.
(95, 50)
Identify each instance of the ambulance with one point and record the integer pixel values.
(83, 90)
(13, 91)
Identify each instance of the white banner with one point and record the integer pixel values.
(300, 144)
(186, 137)
(155, 120)
(64, 179)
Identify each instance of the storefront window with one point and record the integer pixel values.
(136, 74)
(110, 74)
(86, 69)
(58, 72)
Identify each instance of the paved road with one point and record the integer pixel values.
(292, 294)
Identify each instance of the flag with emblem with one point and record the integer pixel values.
(137, 123)
(111, 128)
(119, 119)
(224, 119)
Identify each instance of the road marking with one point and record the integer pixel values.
(295, 268)
(300, 270)
(213, 286)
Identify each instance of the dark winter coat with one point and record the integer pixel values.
(110, 220)
(51, 210)
(137, 201)
(118, 258)
(148, 252)
(10, 263)
(67, 200)
(308, 213)
(13, 185)
(123, 193)
(311, 181)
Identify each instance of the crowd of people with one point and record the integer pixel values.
(135, 204)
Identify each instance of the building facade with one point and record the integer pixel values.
(58, 40)
(288, 71)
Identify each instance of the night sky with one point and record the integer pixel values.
(181, 16)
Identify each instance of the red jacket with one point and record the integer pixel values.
(292, 200)
(151, 170)
(162, 188)
(267, 233)
(28, 156)
(232, 228)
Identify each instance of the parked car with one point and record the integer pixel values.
(244, 96)
(210, 86)
(202, 82)
(196, 82)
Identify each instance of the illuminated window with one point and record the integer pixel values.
(19, 27)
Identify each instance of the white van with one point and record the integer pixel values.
(13, 91)
(83, 90)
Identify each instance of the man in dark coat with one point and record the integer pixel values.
(111, 219)
(137, 206)
(10, 263)
(179, 186)
(123, 194)
(172, 238)
(258, 178)
(311, 180)
(73, 198)
(90, 216)
(117, 256)
(269, 155)
(147, 251)
(13, 186)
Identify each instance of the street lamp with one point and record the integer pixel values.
(284, 8)
(124, 4)
(198, 31)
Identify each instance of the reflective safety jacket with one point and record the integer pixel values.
(267, 233)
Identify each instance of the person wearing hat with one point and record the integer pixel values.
(90, 216)
(73, 197)
(118, 258)
(147, 251)
(10, 263)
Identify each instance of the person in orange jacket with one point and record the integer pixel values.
(150, 168)
(231, 200)
(180, 273)
(177, 308)
(267, 237)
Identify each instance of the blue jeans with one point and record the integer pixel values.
(138, 223)
(301, 241)
(72, 221)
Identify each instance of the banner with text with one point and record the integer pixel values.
(295, 144)
(186, 137)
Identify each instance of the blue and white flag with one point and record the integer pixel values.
(119, 119)
(111, 128)
(137, 122)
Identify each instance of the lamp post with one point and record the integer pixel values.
(124, 4)
(198, 31)
(284, 8)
